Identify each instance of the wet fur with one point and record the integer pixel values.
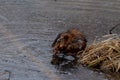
(68, 43)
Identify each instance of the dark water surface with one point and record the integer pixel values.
(28, 27)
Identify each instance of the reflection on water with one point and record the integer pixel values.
(28, 27)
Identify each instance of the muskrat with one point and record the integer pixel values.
(68, 43)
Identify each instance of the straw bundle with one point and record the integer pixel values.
(104, 55)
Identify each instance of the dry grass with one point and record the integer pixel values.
(104, 55)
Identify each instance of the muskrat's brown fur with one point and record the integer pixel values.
(68, 43)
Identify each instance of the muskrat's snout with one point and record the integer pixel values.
(53, 62)
(57, 59)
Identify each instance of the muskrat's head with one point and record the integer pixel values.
(64, 40)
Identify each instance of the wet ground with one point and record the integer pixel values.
(28, 27)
